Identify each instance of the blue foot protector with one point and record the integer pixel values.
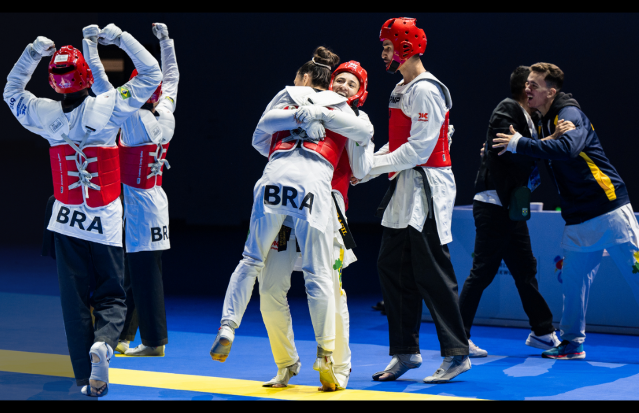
(99, 369)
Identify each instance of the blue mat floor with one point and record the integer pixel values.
(31, 321)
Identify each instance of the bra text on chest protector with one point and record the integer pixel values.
(78, 219)
(287, 197)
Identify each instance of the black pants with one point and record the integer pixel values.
(79, 261)
(145, 298)
(497, 238)
(413, 266)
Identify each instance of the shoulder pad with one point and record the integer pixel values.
(98, 111)
(151, 125)
(52, 118)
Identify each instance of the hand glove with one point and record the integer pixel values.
(110, 35)
(43, 46)
(91, 32)
(160, 31)
(306, 114)
(315, 130)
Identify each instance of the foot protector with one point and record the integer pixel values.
(100, 369)
(399, 365)
(222, 345)
(324, 364)
(451, 367)
(146, 351)
(122, 347)
(284, 375)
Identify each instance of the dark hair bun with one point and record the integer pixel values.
(326, 57)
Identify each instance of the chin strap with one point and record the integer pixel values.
(392, 68)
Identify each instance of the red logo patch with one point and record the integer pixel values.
(423, 117)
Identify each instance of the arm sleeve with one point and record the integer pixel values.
(170, 74)
(101, 82)
(567, 146)
(353, 127)
(360, 157)
(133, 94)
(423, 134)
(21, 102)
(273, 121)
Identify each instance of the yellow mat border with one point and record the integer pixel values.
(60, 366)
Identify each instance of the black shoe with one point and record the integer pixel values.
(379, 306)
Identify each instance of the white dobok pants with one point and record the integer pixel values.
(275, 281)
(578, 273)
(316, 249)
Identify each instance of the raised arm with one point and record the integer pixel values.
(22, 102)
(101, 82)
(133, 94)
(170, 72)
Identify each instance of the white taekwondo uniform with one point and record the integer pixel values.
(97, 120)
(408, 206)
(312, 210)
(146, 211)
(275, 281)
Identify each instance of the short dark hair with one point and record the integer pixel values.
(518, 79)
(553, 75)
(320, 75)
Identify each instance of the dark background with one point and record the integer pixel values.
(231, 65)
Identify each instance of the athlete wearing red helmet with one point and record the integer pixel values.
(407, 39)
(417, 210)
(86, 219)
(350, 80)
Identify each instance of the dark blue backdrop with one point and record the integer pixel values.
(231, 65)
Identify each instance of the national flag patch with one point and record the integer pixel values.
(125, 93)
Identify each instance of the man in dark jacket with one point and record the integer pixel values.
(594, 201)
(497, 236)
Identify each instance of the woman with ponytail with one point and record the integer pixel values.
(303, 131)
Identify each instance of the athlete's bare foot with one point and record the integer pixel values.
(386, 377)
(97, 386)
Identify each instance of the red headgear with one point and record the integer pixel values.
(408, 40)
(156, 95)
(356, 69)
(68, 71)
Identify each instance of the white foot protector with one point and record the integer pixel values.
(324, 364)
(146, 351)
(99, 370)
(451, 367)
(284, 375)
(400, 364)
(222, 345)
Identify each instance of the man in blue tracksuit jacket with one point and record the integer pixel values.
(594, 201)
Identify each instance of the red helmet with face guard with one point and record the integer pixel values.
(156, 95)
(68, 71)
(408, 40)
(358, 71)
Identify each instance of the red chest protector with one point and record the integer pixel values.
(96, 181)
(342, 178)
(141, 166)
(399, 126)
(330, 148)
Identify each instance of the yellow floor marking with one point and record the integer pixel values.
(58, 365)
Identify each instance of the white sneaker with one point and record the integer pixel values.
(475, 351)
(145, 351)
(122, 347)
(452, 367)
(545, 342)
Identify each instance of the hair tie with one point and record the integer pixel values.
(320, 64)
